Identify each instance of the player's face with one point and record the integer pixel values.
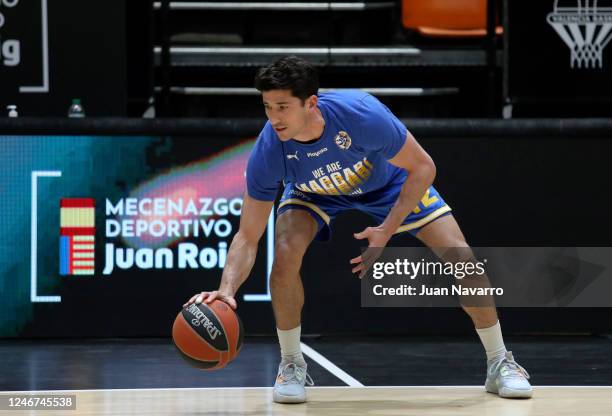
(287, 114)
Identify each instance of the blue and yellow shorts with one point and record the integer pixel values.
(324, 208)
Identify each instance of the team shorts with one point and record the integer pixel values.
(324, 208)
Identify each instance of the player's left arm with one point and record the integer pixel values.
(422, 171)
(421, 174)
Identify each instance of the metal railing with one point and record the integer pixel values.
(276, 6)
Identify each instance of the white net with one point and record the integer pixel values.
(587, 56)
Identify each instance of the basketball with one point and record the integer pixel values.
(208, 336)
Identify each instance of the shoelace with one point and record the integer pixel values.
(513, 367)
(290, 372)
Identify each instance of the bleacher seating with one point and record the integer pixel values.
(213, 48)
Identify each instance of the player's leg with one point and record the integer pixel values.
(504, 376)
(295, 230)
(445, 233)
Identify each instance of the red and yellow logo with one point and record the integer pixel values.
(77, 236)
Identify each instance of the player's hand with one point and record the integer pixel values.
(377, 240)
(208, 297)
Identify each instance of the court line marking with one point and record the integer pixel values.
(269, 388)
(329, 366)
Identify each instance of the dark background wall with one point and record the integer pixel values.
(86, 57)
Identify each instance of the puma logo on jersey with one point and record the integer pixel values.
(295, 156)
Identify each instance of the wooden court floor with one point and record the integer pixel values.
(337, 401)
(407, 376)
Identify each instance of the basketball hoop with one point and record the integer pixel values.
(585, 28)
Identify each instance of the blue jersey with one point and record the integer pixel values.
(350, 158)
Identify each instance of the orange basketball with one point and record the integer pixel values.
(208, 336)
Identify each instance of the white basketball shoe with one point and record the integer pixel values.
(508, 379)
(290, 381)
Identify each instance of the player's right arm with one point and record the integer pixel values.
(263, 177)
(242, 252)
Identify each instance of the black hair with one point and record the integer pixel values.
(289, 73)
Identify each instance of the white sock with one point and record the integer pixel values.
(289, 341)
(493, 342)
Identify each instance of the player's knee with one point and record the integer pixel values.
(288, 253)
(289, 245)
(456, 249)
(453, 238)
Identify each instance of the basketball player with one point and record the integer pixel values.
(337, 151)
